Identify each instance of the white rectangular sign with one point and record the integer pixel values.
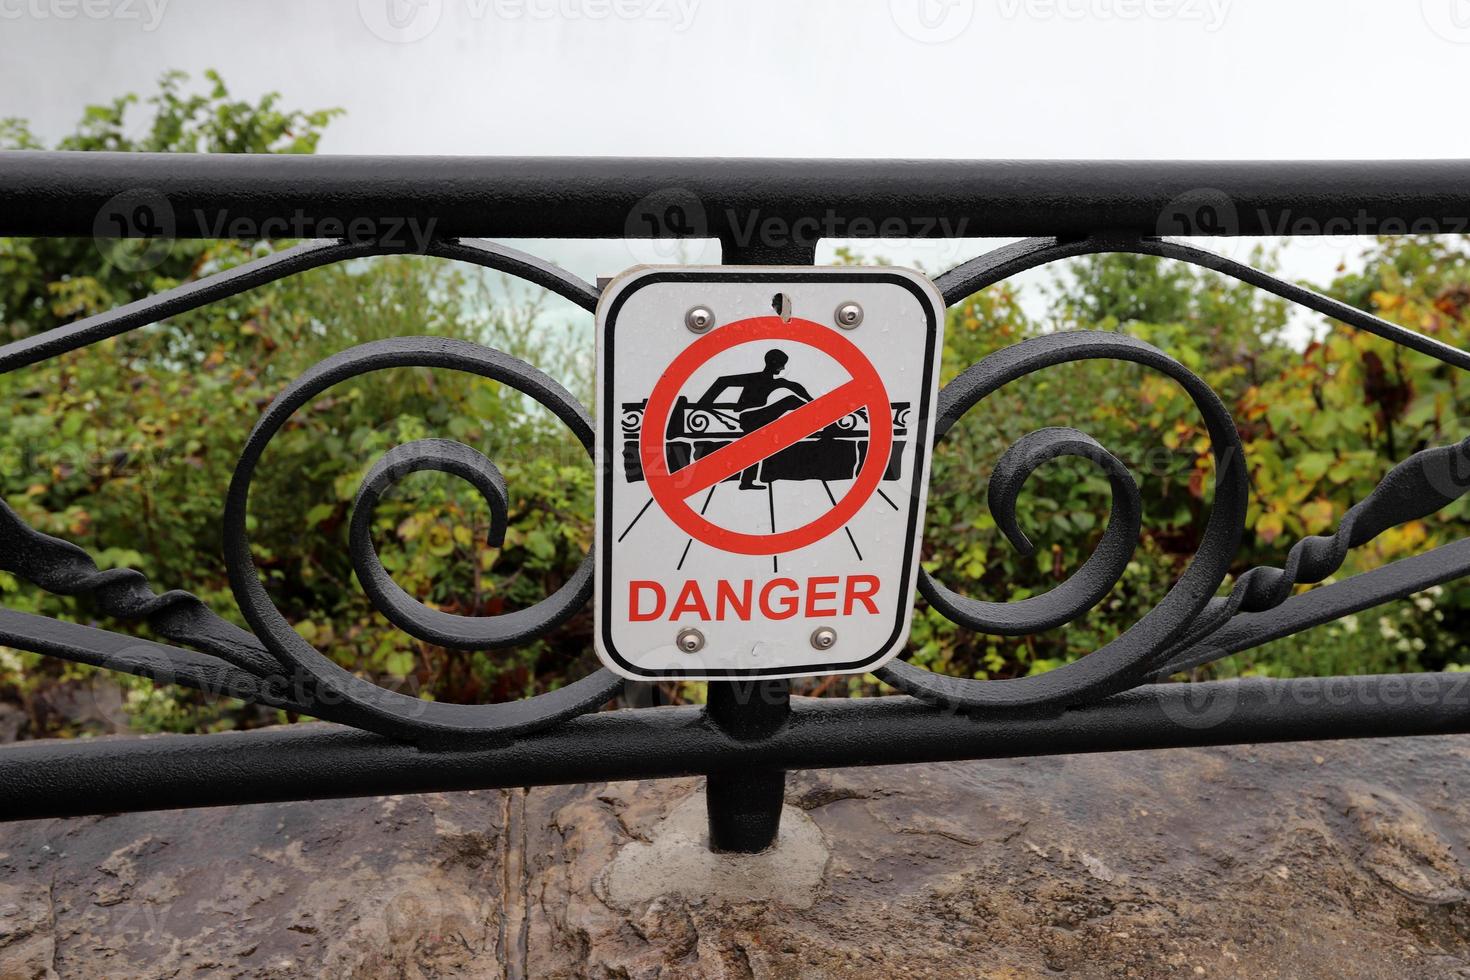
(763, 462)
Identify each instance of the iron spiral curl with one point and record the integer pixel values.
(371, 707)
(1123, 662)
(1175, 635)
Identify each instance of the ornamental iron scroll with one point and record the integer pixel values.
(386, 711)
(275, 654)
(1110, 698)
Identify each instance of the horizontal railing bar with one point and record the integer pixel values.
(317, 761)
(67, 193)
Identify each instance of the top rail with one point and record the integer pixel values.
(61, 193)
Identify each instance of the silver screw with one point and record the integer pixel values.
(824, 638)
(690, 640)
(699, 319)
(849, 315)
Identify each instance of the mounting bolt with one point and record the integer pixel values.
(699, 319)
(849, 315)
(690, 640)
(824, 638)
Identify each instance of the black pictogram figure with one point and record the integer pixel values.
(751, 406)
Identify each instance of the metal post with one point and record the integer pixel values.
(745, 804)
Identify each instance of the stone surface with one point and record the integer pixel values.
(1300, 861)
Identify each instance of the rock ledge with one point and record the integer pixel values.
(1312, 860)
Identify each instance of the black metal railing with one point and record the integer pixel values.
(750, 733)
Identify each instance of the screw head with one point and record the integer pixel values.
(849, 315)
(824, 638)
(699, 319)
(689, 640)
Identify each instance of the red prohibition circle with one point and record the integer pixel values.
(865, 389)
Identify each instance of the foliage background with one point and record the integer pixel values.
(126, 447)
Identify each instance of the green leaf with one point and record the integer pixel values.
(319, 513)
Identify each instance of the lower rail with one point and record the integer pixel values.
(316, 761)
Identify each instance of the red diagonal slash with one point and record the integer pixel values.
(770, 438)
(865, 390)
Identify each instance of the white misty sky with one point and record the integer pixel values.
(1242, 79)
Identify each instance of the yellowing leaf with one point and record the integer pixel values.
(1317, 516)
(1269, 527)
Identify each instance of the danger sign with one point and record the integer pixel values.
(763, 460)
